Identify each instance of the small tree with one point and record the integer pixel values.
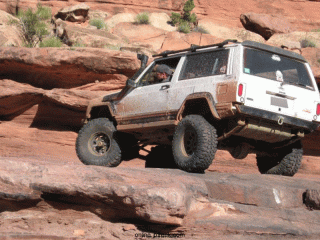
(186, 18)
(98, 23)
(142, 18)
(188, 7)
(33, 29)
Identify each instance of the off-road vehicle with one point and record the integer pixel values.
(242, 97)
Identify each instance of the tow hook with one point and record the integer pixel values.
(280, 120)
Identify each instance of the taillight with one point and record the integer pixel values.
(318, 109)
(240, 89)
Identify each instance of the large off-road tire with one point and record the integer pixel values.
(285, 162)
(97, 145)
(160, 157)
(194, 144)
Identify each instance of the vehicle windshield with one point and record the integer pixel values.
(276, 67)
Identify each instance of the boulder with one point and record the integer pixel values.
(76, 13)
(9, 31)
(60, 31)
(312, 199)
(49, 68)
(86, 37)
(264, 24)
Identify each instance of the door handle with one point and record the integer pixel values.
(164, 87)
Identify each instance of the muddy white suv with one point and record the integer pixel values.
(242, 97)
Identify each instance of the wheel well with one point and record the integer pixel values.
(101, 112)
(198, 106)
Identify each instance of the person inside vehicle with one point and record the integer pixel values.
(162, 74)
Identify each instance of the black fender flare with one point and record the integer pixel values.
(201, 95)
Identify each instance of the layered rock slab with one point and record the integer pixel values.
(49, 68)
(60, 107)
(227, 203)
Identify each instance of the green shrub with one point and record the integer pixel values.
(44, 13)
(200, 29)
(193, 18)
(188, 6)
(175, 18)
(113, 47)
(184, 27)
(142, 18)
(185, 21)
(78, 43)
(307, 43)
(97, 22)
(12, 21)
(51, 42)
(319, 60)
(32, 28)
(97, 44)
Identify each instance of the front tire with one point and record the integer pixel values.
(194, 144)
(286, 163)
(96, 144)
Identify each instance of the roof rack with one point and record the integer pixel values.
(194, 48)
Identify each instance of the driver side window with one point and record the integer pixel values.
(151, 77)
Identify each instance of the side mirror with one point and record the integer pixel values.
(131, 83)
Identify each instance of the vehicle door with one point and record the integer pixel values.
(149, 100)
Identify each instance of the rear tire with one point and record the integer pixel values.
(194, 144)
(96, 144)
(286, 162)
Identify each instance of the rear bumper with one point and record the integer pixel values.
(274, 117)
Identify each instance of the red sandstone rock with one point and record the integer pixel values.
(312, 199)
(142, 33)
(65, 68)
(219, 202)
(313, 57)
(302, 14)
(16, 98)
(76, 13)
(265, 25)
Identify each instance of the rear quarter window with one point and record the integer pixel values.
(205, 64)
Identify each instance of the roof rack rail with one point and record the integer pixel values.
(194, 48)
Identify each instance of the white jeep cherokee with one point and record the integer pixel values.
(242, 97)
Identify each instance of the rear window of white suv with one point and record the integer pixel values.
(276, 67)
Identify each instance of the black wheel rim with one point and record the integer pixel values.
(190, 141)
(99, 144)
